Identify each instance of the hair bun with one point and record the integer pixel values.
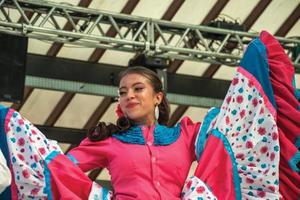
(123, 123)
(99, 132)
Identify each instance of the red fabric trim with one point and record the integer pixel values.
(288, 115)
(215, 169)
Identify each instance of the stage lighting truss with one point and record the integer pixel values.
(93, 28)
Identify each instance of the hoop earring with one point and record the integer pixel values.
(156, 112)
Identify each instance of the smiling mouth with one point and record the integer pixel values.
(132, 105)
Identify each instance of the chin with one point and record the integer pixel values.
(133, 116)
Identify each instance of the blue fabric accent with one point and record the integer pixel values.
(297, 143)
(293, 162)
(297, 91)
(104, 193)
(133, 135)
(202, 134)
(73, 159)
(255, 61)
(236, 178)
(47, 174)
(162, 135)
(6, 194)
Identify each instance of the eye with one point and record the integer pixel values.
(122, 93)
(138, 89)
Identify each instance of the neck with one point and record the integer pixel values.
(145, 122)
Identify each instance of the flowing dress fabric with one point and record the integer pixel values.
(288, 116)
(39, 169)
(249, 148)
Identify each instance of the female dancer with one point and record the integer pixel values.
(246, 149)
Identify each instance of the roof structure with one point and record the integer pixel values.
(66, 108)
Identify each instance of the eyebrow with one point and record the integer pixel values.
(123, 87)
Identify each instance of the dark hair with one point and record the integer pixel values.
(103, 131)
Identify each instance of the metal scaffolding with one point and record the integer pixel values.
(134, 34)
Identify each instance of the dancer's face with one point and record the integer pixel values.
(138, 99)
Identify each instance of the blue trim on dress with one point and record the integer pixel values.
(162, 135)
(236, 178)
(47, 174)
(255, 61)
(297, 91)
(133, 135)
(297, 143)
(6, 194)
(203, 131)
(104, 193)
(293, 162)
(72, 158)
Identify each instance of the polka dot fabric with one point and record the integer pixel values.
(29, 152)
(28, 149)
(247, 120)
(194, 188)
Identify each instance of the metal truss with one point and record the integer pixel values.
(134, 34)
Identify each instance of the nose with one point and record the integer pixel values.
(130, 94)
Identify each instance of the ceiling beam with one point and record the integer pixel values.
(27, 93)
(172, 9)
(59, 108)
(64, 135)
(177, 114)
(90, 78)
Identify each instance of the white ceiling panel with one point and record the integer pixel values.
(172, 108)
(78, 111)
(193, 68)
(40, 104)
(274, 15)
(64, 146)
(104, 175)
(295, 30)
(38, 46)
(110, 116)
(116, 57)
(195, 113)
(236, 10)
(12, 13)
(193, 11)
(108, 5)
(153, 9)
(72, 2)
(225, 73)
(297, 80)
